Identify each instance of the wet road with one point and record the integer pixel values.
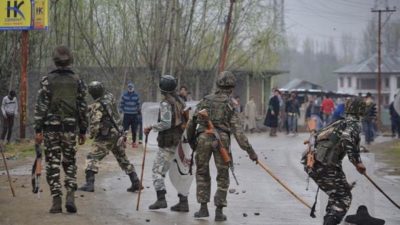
(257, 193)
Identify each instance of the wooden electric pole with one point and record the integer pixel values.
(225, 42)
(224, 45)
(379, 86)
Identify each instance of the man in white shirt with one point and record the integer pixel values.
(9, 109)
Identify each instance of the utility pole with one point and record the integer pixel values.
(379, 87)
(226, 39)
(223, 53)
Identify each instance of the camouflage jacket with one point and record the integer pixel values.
(43, 104)
(351, 139)
(101, 123)
(221, 110)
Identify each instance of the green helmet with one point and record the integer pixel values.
(355, 106)
(168, 83)
(226, 80)
(96, 89)
(62, 56)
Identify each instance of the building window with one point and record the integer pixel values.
(367, 83)
(398, 82)
(387, 82)
(341, 82)
(349, 82)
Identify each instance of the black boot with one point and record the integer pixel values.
(135, 183)
(89, 186)
(219, 216)
(161, 203)
(330, 220)
(56, 207)
(203, 212)
(182, 206)
(70, 202)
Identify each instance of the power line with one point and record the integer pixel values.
(316, 33)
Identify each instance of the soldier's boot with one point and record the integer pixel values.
(135, 183)
(70, 202)
(56, 207)
(89, 186)
(219, 216)
(203, 212)
(330, 220)
(161, 203)
(182, 206)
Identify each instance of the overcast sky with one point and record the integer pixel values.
(325, 19)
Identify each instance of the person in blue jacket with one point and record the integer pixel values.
(130, 107)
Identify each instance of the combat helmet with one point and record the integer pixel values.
(355, 106)
(168, 83)
(96, 89)
(62, 56)
(226, 80)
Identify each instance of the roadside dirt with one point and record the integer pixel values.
(29, 208)
(387, 155)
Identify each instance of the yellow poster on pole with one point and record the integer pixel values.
(16, 14)
(41, 14)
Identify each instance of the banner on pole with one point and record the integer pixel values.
(24, 14)
(41, 15)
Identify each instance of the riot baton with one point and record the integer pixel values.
(377, 187)
(281, 183)
(141, 175)
(8, 173)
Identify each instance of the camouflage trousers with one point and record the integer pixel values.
(101, 148)
(161, 166)
(332, 181)
(204, 151)
(60, 149)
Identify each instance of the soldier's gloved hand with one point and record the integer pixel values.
(81, 139)
(253, 156)
(39, 138)
(147, 130)
(361, 168)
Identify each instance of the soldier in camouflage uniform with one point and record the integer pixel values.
(221, 111)
(61, 109)
(331, 145)
(170, 127)
(108, 135)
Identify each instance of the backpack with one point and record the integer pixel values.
(327, 141)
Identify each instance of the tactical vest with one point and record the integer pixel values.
(172, 136)
(220, 111)
(328, 144)
(63, 87)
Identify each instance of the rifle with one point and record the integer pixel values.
(310, 154)
(225, 154)
(122, 134)
(37, 170)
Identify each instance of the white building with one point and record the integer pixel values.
(361, 78)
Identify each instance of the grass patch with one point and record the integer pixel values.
(394, 151)
(20, 150)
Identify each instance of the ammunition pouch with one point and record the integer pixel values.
(54, 123)
(170, 137)
(106, 127)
